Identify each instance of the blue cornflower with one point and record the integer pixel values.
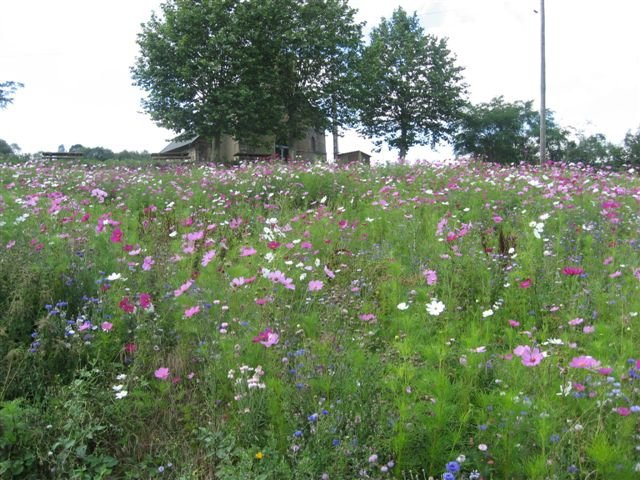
(313, 417)
(448, 476)
(453, 467)
(297, 433)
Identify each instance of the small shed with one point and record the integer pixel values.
(356, 156)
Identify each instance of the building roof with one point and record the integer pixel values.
(177, 146)
(355, 151)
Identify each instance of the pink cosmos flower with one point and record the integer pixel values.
(162, 373)
(430, 276)
(315, 285)
(623, 411)
(106, 326)
(126, 305)
(526, 283)
(145, 300)
(190, 312)
(195, 236)
(514, 323)
(84, 326)
(367, 317)
(576, 321)
(182, 288)
(584, 361)
(116, 235)
(328, 272)
(589, 329)
(207, 257)
(572, 271)
(532, 358)
(247, 251)
(267, 338)
(615, 274)
(147, 263)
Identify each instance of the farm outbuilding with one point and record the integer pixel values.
(356, 156)
(311, 148)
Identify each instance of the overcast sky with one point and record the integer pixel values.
(73, 57)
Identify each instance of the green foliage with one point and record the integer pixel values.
(234, 67)
(593, 150)
(411, 87)
(7, 90)
(506, 132)
(632, 148)
(5, 148)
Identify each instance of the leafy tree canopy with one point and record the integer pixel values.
(243, 67)
(412, 89)
(506, 132)
(7, 90)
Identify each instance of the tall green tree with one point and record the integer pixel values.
(507, 132)
(412, 89)
(247, 68)
(189, 64)
(7, 90)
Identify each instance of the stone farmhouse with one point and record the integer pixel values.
(310, 148)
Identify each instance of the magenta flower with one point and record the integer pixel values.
(267, 338)
(526, 283)
(623, 411)
(329, 273)
(162, 373)
(145, 300)
(315, 285)
(584, 361)
(126, 305)
(116, 235)
(572, 271)
(190, 312)
(367, 317)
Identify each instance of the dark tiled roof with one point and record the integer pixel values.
(176, 146)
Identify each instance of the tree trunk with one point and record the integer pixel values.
(291, 140)
(217, 147)
(403, 146)
(334, 130)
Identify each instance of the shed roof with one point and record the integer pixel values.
(177, 146)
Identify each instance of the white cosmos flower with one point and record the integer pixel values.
(487, 313)
(121, 394)
(402, 306)
(114, 276)
(435, 308)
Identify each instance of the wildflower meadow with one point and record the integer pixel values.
(311, 321)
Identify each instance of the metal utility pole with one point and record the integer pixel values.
(543, 89)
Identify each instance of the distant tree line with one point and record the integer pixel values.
(509, 132)
(101, 153)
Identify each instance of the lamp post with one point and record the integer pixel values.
(543, 88)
